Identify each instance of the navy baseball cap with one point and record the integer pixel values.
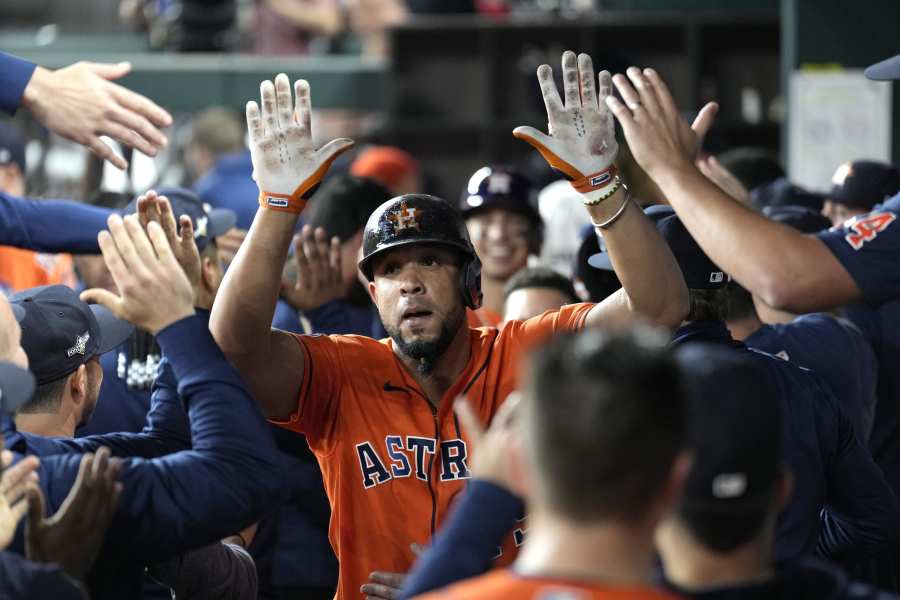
(16, 387)
(862, 184)
(734, 429)
(700, 273)
(12, 146)
(782, 192)
(800, 218)
(886, 70)
(60, 332)
(209, 222)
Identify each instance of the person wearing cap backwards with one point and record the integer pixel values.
(21, 269)
(377, 414)
(719, 542)
(499, 207)
(230, 476)
(395, 169)
(835, 473)
(857, 188)
(854, 263)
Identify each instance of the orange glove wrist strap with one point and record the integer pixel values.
(596, 181)
(282, 202)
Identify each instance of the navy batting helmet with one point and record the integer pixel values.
(422, 219)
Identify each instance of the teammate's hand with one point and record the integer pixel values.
(13, 503)
(660, 140)
(581, 142)
(383, 586)
(724, 178)
(154, 208)
(155, 292)
(72, 537)
(489, 449)
(80, 102)
(318, 264)
(285, 161)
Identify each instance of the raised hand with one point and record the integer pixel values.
(659, 138)
(724, 178)
(72, 537)
(155, 292)
(152, 207)
(581, 143)
(13, 503)
(318, 263)
(489, 447)
(286, 165)
(80, 102)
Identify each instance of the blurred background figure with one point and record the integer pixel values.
(218, 161)
(23, 269)
(395, 169)
(858, 187)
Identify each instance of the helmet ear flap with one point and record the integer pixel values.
(470, 283)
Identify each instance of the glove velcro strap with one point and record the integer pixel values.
(282, 202)
(596, 181)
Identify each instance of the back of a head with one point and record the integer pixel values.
(734, 430)
(591, 400)
(541, 277)
(218, 130)
(862, 184)
(752, 166)
(344, 203)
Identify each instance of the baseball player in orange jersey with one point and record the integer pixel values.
(377, 414)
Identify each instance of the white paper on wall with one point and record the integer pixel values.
(835, 117)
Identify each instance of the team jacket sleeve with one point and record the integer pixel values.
(35, 225)
(186, 500)
(15, 73)
(862, 515)
(167, 429)
(468, 541)
(869, 248)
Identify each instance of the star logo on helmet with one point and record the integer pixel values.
(405, 217)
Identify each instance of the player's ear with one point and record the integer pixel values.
(373, 294)
(785, 488)
(520, 478)
(671, 491)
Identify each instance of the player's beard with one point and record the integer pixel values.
(427, 353)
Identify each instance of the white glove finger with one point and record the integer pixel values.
(303, 109)
(586, 74)
(254, 122)
(267, 96)
(570, 79)
(552, 101)
(647, 93)
(284, 108)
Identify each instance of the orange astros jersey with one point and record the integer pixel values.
(506, 585)
(392, 463)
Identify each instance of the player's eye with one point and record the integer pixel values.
(430, 261)
(389, 268)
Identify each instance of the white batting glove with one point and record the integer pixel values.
(286, 166)
(581, 143)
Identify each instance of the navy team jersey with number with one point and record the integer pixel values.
(868, 246)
